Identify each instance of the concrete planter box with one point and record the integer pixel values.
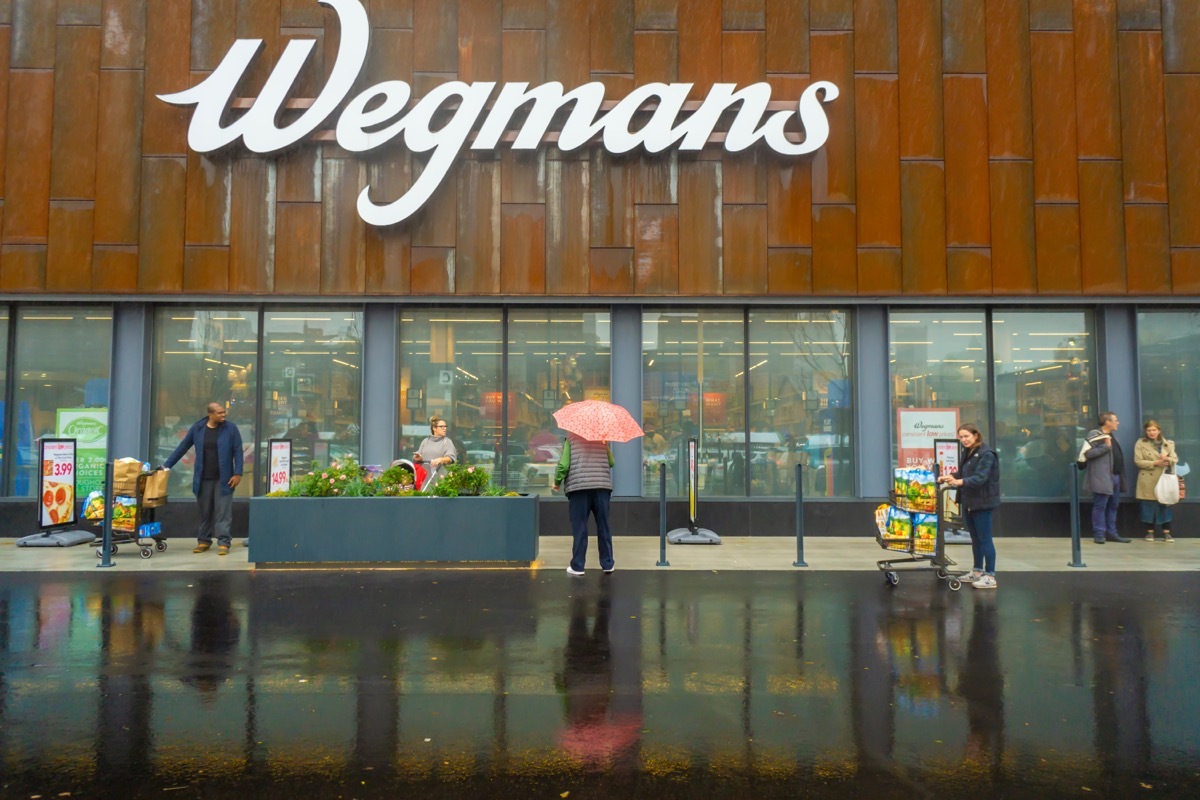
(364, 530)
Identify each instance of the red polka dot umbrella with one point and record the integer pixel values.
(597, 421)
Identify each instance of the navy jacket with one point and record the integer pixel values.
(980, 474)
(229, 453)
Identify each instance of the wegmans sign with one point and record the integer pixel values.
(383, 112)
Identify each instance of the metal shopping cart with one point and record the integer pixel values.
(922, 538)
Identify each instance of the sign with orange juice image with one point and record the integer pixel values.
(57, 486)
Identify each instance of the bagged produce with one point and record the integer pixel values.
(93, 506)
(924, 533)
(881, 519)
(124, 514)
(899, 524)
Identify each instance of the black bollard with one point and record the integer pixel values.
(1076, 548)
(799, 562)
(106, 527)
(662, 517)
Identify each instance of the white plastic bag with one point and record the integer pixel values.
(1167, 488)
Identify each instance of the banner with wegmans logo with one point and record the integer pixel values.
(89, 428)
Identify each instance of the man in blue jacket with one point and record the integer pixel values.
(218, 472)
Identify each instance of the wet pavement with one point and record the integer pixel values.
(518, 684)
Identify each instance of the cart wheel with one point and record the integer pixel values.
(160, 546)
(147, 552)
(942, 574)
(892, 578)
(113, 550)
(955, 584)
(99, 552)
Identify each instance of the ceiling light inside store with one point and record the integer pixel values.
(300, 319)
(183, 319)
(345, 363)
(39, 319)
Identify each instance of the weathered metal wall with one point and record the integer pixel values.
(978, 147)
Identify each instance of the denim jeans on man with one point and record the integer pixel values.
(983, 546)
(579, 504)
(1104, 512)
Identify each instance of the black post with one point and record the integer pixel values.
(1076, 550)
(799, 562)
(662, 517)
(106, 527)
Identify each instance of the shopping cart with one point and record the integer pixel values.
(133, 519)
(923, 539)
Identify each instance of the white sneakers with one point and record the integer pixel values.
(985, 582)
(574, 571)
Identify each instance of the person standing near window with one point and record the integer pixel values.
(1105, 477)
(436, 451)
(218, 471)
(979, 479)
(1152, 454)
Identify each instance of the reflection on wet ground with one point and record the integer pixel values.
(516, 684)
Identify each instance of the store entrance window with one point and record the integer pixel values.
(1169, 363)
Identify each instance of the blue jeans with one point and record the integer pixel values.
(579, 505)
(1104, 511)
(983, 547)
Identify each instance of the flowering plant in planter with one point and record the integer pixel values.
(340, 479)
(461, 479)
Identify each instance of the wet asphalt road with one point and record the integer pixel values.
(663, 685)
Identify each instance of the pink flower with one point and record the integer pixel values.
(470, 469)
(331, 481)
(323, 474)
(343, 477)
(335, 491)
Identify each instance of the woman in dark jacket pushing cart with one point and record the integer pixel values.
(979, 493)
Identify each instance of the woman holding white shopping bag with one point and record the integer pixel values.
(1155, 458)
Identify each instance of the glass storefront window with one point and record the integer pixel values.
(1045, 396)
(3, 376)
(555, 357)
(61, 371)
(800, 404)
(693, 364)
(938, 360)
(312, 383)
(201, 357)
(1169, 366)
(450, 362)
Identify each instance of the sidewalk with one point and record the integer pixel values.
(747, 554)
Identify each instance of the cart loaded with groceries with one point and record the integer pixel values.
(136, 492)
(915, 522)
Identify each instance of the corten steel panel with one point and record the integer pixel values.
(27, 171)
(789, 202)
(744, 238)
(436, 224)
(1183, 159)
(1055, 177)
(119, 157)
(789, 270)
(1185, 271)
(326, 51)
(612, 201)
(616, 84)
(391, 13)
(390, 58)
(611, 32)
(656, 250)
(343, 244)
(76, 90)
(968, 271)
(1181, 35)
(523, 248)
(923, 209)
(700, 46)
(963, 37)
(568, 227)
(744, 177)
(297, 248)
(479, 40)
(968, 213)
(833, 164)
(259, 19)
(742, 57)
(477, 269)
(79, 12)
(69, 253)
(1051, 15)
(655, 179)
(435, 35)
(743, 15)
(214, 27)
(1139, 15)
(1014, 264)
(700, 210)
(522, 176)
(298, 175)
(656, 15)
(433, 270)
(312, 76)
(880, 270)
(1010, 129)
(920, 27)
(160, 254)
(124, 39)
(787, 36)
(1148, 249)
(611, 270)
(252, 228)
(1059, 268)
(568, 42)
(835, 257)
(524, 56)
(877, 162)
(1143, 124)
(831, 15)
(33, 32)
(5, 51)
(114, 268)
(1098, 86)
(1102, 227)
(524, 15)
(168, 33)
(209, 185)
(655, 57)
(389, 261)
(306, 14)
(206, 269)
(23, 268)
(875, 32)
(425, 82)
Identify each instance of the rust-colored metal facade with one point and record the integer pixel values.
(979, 147)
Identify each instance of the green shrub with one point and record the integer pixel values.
(461, 479)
